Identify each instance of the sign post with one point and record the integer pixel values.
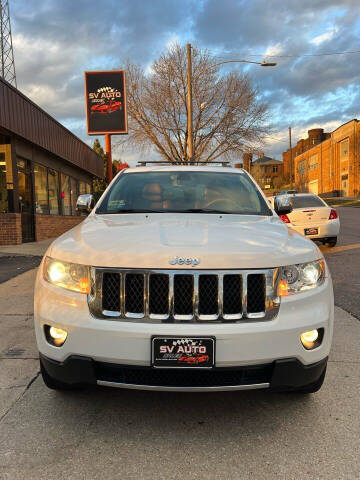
(105, 95)
(108, 157)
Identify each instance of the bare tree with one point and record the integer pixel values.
(228, 119)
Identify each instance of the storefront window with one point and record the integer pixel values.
(84, 188)
(65, 194)
(41, 189)
(74, 195)
(53, 180)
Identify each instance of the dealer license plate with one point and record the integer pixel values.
(311, 231)
(183, 352)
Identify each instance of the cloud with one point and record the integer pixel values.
(324, 37)
(56, 41)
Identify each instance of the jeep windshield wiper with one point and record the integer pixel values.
(206, 210)
(188, 210)
(132, 210)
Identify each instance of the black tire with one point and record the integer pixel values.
(52, 383)
(312, 387)
(331, 241)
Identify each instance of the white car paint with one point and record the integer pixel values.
(149, 241)
(314, 217)
(222, 241)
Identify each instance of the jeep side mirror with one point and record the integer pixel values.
(282, 205)
(85, 203)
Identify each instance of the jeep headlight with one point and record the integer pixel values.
(71, 276)
(297, 278)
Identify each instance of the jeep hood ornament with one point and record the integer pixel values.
(193, 261)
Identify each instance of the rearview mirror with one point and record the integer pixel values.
(85, 203)
(282, 205)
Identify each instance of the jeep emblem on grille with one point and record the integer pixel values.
(193, 261)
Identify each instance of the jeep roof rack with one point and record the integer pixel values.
(143, 163)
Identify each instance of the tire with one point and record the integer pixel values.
(332, 241)
(52, 383)
(312, 387)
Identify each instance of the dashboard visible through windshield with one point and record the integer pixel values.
(184, 192)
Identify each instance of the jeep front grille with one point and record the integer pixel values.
(183, 296)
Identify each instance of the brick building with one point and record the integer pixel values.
(43, 168)
(327, 163)
(267, 171)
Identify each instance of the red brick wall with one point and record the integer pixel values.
(10, 229)
(49, 226)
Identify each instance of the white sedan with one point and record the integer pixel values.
(314, 218)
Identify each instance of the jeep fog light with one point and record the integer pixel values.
(312, 338)
(55, 336)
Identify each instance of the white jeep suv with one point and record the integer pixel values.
(184, 278)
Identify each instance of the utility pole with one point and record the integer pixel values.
(109, 173)
(291, 160)
(189, 103)
(7, 64)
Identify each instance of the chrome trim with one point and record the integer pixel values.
(171, 296)
(110, 313)
(147, 295)
(232, 316)
(133, 315)
(256, 315)
(220, 294)
(196, 297)
(244, 293)
(272, 301)
(160, 388)
(158, 316)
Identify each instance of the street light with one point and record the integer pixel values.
(264, 63)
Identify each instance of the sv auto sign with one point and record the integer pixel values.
(105, 94)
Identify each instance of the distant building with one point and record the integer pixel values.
(327, 163)
(267, 171)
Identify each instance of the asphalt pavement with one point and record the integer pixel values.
(13, 265)
(118, 434)
(344, 261)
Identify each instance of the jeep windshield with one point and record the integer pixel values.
(184, 192)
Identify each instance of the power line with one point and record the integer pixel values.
(276, 139)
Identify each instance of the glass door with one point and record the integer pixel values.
(26, 204)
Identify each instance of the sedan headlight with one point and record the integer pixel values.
(71, 276)
(297, 278)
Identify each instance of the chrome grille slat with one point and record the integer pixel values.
(220, 294)
(244, 294)
(165, 291)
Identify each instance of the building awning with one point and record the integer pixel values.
(22, 117)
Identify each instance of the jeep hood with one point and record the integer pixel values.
(151, 240)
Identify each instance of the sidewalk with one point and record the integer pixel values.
(342, 201)
(36, 249)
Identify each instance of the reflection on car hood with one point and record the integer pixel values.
(151, 240)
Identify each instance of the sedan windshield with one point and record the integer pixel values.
(187, 192)
(304, 201)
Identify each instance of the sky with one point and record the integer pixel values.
(55, 41)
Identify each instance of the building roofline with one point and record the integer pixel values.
(337, 128)
(27, 99)
(313, 146)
